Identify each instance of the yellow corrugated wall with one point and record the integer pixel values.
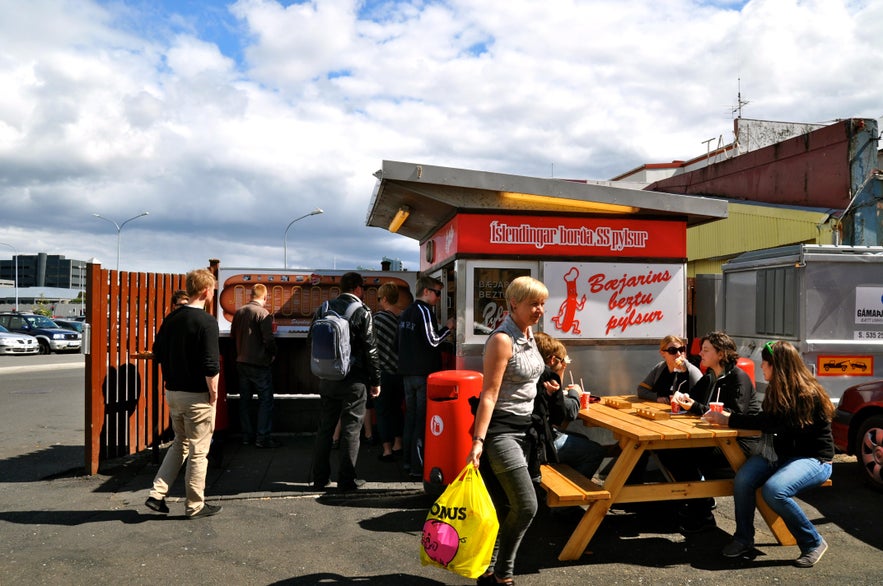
(752, 227)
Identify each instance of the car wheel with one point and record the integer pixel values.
(870, 451)
(44, 347)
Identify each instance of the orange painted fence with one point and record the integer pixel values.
(126, 411)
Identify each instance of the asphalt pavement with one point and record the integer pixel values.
(58, 526)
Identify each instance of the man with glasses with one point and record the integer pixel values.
(420, 342)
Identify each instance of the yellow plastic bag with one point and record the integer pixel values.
(461, 527)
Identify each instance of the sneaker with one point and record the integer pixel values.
(267, 443)
(207, 510)
(321, 485)
(158, 505)
(734, 549)
(810, 558)
(352, 485)
(688, 524)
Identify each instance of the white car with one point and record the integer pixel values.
(11, 343)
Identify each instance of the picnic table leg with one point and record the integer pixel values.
(736, 457)
(591, 519)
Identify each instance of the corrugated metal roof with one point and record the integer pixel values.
(752, 226)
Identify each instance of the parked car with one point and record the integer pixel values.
(69, 324)
(50, 337)
(12, 343)
(858, 429)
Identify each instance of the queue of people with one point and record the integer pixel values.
(524, 405)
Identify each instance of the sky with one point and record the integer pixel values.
(228, 120)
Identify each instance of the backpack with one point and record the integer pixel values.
(330, 346)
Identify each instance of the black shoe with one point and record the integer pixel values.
(158, 505)
(321, 485)
(245, 440)
(415, 476)
(397, 453)
(267, 443)
(207, 510)
(386, 457)
(352, 485)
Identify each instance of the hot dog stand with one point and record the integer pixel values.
(613, 258)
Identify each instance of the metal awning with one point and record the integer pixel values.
(432, 195)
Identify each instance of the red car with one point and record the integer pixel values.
(858, 429)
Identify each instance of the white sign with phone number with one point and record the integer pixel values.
(868, 305)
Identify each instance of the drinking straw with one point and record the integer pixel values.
(582, 387)
(717, 397)
(571, 376)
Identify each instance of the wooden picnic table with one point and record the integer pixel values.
(639, 426)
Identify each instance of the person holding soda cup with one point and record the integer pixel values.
(673, 374)
(555, 407)
(725, 386)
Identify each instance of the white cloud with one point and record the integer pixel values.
(227, 122)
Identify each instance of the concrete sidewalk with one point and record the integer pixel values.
(275, 529)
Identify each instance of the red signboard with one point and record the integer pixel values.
(546, 236)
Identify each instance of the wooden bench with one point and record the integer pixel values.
(565, 487)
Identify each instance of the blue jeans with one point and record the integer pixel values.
(579, 452)
(255, 379)
(506, 453)
(415, 422)
(778, 484)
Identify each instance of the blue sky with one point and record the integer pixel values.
(225, 120)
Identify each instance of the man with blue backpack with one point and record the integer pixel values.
(343, 354)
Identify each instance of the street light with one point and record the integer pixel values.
(15, 280)
(119, 228)
(285, 236)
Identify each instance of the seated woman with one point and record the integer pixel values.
(722, 382)
(796, 416)
(673, 373)
(554, 407)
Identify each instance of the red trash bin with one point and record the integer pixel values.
(747, 365)
(449, 423)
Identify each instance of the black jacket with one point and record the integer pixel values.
(791, 441)
(419, 340)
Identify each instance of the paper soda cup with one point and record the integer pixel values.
(584, 400)
(675, 406)
(717, 407)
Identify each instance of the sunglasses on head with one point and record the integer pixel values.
(677, 350)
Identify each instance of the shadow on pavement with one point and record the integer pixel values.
(46, 464)
(72, 518)
(381, 580)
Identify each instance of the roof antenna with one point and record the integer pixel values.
(739, 101)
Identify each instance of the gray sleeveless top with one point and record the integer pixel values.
(519, 385)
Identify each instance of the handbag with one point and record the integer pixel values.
(461, 527)
(766, 449)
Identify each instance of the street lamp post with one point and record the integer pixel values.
(285, 236)
(119, 228)
(15, 280)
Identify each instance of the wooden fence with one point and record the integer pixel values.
(126, 411)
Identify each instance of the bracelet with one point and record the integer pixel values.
(478, 439)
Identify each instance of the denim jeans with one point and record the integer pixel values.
(415, 422)
(579, 452)
(506, 453)
(255, 379)
(779, 485)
